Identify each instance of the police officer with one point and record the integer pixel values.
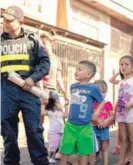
(22, 53)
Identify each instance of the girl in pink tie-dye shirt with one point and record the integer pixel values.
(124, 108)
(102, 134)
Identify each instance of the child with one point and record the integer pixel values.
(56, 126)
(124, 108)
(102, 134)
(54, 79)
(78, 137)
(115, 81)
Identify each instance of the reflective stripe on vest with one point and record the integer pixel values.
(14, 57)
(15, 68)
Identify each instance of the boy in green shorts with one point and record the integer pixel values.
(78, 137)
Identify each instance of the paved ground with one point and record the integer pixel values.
(25, 160)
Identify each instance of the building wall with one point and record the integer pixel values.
(115, 34)
(42, 10)
(89, 22)
(86, 21)
(94, 24)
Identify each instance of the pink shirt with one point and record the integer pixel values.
(105, 112)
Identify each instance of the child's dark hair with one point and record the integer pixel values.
(91, 67)
(130, 58)
(121, 75)
(50, 106)
(102, 84)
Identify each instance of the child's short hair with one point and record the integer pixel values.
(91, 67)
(102, 84)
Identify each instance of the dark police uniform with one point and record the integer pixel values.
(28, 58)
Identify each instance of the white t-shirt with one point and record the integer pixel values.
(56, 122)
(125, 97)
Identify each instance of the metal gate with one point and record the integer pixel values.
(71, 52)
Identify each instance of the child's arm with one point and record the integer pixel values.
(97, 112)
(113, 79)
(128, 106)
(45, 113)
(114, 114)
(66, 111)
(111, 118)
(109, 109)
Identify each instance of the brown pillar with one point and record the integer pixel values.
(61, 18)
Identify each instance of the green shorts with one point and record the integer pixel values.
(79, 140)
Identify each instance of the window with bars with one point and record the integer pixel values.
(120, 41)
(70, 54)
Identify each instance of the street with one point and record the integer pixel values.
(25, 160)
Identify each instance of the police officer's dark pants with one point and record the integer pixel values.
(13, 100)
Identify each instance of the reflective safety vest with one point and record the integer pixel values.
(16, 55)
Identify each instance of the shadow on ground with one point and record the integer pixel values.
(25, 160)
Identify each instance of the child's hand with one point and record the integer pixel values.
(112, 120)
(128, 107)
(102, 123)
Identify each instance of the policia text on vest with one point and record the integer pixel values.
(22, 55)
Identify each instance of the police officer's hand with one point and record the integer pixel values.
(28, 84)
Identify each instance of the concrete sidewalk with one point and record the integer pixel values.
(25, 160)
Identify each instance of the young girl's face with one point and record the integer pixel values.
(126, 67)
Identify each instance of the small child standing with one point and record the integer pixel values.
(124, 108)
(79, 137)
(56, 126)
(116, 149)
(102, 133)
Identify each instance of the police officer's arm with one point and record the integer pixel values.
(42, 68)
(43, 64)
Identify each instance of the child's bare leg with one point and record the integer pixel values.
(104, 146)
(92, 158)
(64, 159)
(83, 160)
(128, 153)
(73, 159)
(130, 133)
(123, 142)
(116, 149)
(42, 112)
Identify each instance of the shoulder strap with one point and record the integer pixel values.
(33, 44)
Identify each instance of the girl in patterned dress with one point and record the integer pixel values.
(124, 108)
